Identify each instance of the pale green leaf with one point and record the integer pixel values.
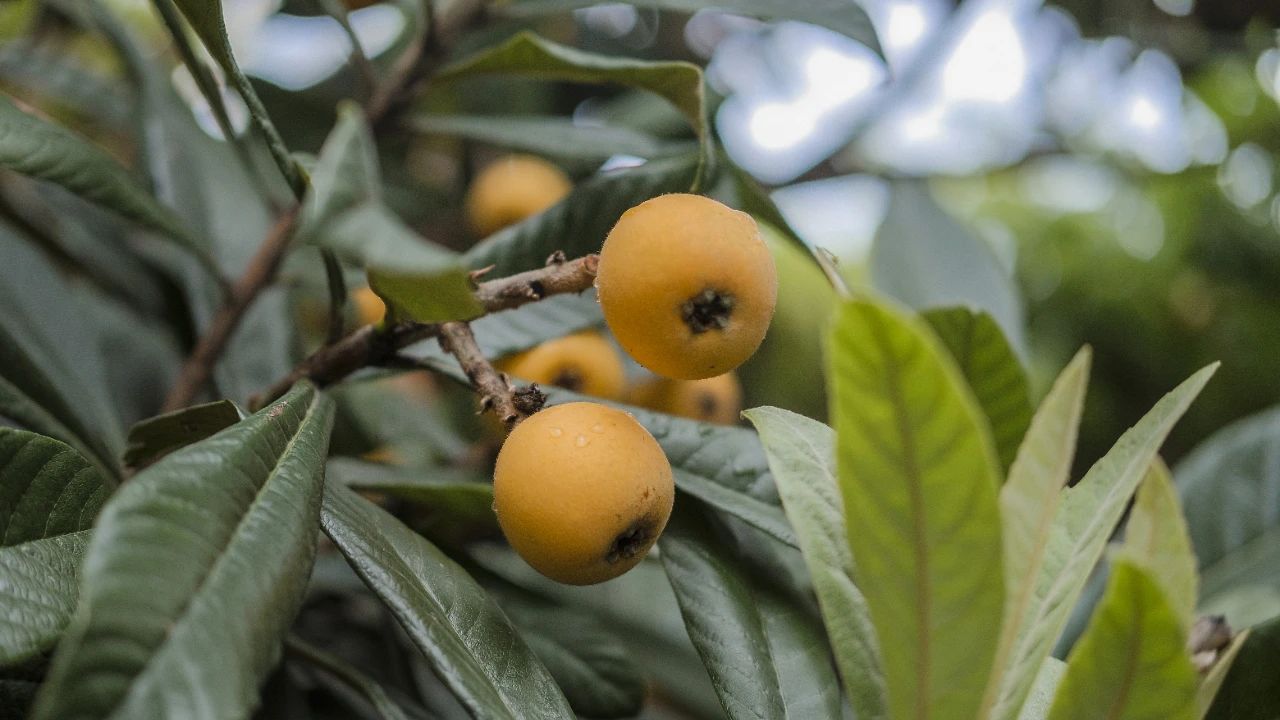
(1028, 504)
(38, 581)
(1043, 689)
(1131, 662)
(46, 488)
(843, 16)
(528, 55)
(801, 455)
(992, 370)
(1085, 518)
(801, 657)
(549, 136)
(468, 641)
(1156, 540)
(919, 478)
(196, 569)
(448, 503)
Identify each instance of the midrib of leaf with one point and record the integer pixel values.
(222, 555)
(1116, 710)
(912, 472)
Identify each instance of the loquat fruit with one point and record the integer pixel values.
(582, 491)
(511, 189)
(712, 400)
(687, 286)
(369, 307)
(583, 362)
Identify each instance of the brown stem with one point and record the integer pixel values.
(495, 390)
(373, 345)
(261, 269)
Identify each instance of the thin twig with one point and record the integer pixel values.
(259, 273)
(367, 74)
(371, 345)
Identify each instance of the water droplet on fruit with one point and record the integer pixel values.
(556, 432)
(581, 441)
(597, 429)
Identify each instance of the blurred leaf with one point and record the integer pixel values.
(919, 477)
(344, 212)
(198, 565)
(1229, 486)
(141, 356)
(1131, 663)
(381, 414)
(511, 331)
(802, 457)
(57, 76)
(466, 638)
(926, 259)
(1084, 519)
(755, 201)
(448, 503)
(843, 16)
(41, 150)
(1251, 690)
(205, 17)
(580, 222)
(587, 659)
(1028, 503)
(15, 698)
(46, 488)
(549, 136)
(528, 55)
(726, 625)
(1043, 689)
(38, 582)
(158, 436)
(1211, 682)
(367, 687)
(992, 370)
(1155, 539)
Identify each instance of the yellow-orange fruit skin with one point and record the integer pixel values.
(582, 491)
(713, 400)
(666, 253)
(582, 362)
(511, 189)
(369, 306)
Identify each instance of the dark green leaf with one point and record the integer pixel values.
(1251, 690)
(195, 572)
(549, 136)
(448, 503)
(38, 582)
(343, 212)
(724, 621)
(919, 477)
(578, 224)
(992, 370)
(802, 457)
(754, 200)
(844, 16)
(1211, 682)
(469, 642)
(347, 674)
(156, 437)
(205, 17)
(511, 331)
(38, 149)
(923, 257)
(1229, 486)
(530, 56)
(46, 488)
(1131, 663)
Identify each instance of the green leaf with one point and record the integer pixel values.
(528, 55)
(843, 16)
(350, 677)
(1084, 519)
(919, 479)
(1228, 485)
(1211, 683)
(1251, 690)
(549, 136)
(580, 222)
(38, 581)
(755, 201)
(801, 657)
(801, 455)
(205, 17)
(448, 502)
(343, 212)
(46, 488)
(923, 257)
(158, 436)
(1043, 689)
(1028, 505)
(726, 623)
(41, 150)
(993, 371)
(588, 661)
(1131, 663)
(468, 641)
(196, 570)
(1156, 540)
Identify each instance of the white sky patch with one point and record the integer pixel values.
(297, 52)
(841, 214)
